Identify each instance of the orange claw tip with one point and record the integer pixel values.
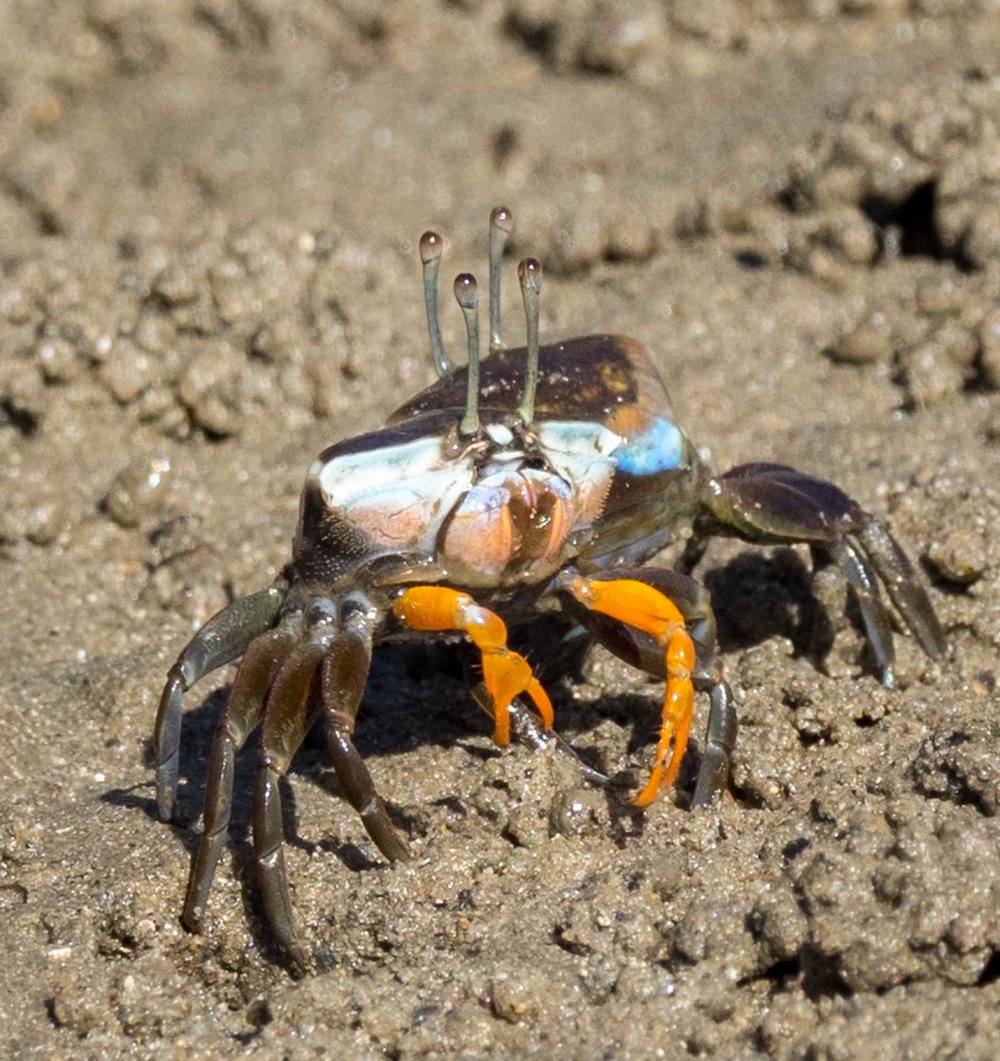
(542, 702)
(652, 790)
(506, 675)
(661, 777)
(501, 728)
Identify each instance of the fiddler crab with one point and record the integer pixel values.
(543, 475)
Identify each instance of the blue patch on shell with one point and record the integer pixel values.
(658, 449)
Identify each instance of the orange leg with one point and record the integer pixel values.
(648, 610)
(506, 674)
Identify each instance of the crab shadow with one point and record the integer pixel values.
(756, 597)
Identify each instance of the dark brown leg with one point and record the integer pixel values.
(720, 739)
(286, 722)
(345, 673)
(904, 585)
(853, 562)
(242, 712)
(222, 639)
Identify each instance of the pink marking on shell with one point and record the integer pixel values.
(513, 526)
(393, 529)
(479, 541)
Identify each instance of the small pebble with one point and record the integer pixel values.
(576, 812)
(58, 361)
(959, 557)
(870, 342)
(45, 521)
(127, 371)
(138, 490)
(931, 375)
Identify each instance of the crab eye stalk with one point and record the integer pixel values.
(501, 226)
(467, 295)
(529, 273)
(431, 249)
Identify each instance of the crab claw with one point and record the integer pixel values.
(774, 503)
(506, 674)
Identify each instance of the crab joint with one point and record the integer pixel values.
(648, 610)
(506, 674)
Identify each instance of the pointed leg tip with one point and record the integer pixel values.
(299, 964)
(192, 920)
(403, 853)
(935, 643)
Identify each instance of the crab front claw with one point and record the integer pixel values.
(772, 503)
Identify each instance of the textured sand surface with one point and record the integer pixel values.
(208, 221)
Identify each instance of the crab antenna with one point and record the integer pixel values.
(501, 226)
(431, 249)
(467, 294)
(529, 273)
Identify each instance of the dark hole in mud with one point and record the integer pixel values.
(746, 797)
(750, 259)
(907, 229)
(506, 141)
(821, 976)
(780, 973)
(537, 37)
(50, 1009)
(991, 971)
(570, 946)
(129, 248)
(795, 848)
(259, 1013)
(23, 422)
(810, 740)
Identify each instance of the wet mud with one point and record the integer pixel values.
(208, 271)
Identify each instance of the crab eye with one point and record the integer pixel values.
(431, 249)
(529, 273)
(501, 227)
(467, 294)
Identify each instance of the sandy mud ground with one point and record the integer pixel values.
(208, 221)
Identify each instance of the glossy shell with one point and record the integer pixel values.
(602, 474)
